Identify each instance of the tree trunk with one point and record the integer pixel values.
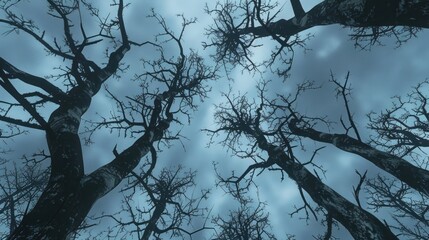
(361, 224)
(351, 13)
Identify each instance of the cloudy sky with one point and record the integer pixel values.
(375, 77)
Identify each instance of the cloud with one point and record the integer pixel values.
(376, 75)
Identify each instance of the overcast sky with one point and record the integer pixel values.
(375, 77)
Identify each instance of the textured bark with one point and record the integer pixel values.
(61, 209)
(352, 13)
(69, 195)
(415, 177)
(361, 224)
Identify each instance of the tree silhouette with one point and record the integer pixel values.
(70, 193)
(241, 118)
(168, 211)
(20, 188)
(273, 127)
(49, 195)
(239, 25)
(245, 223)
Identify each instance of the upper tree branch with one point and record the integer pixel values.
(415, 177)
(343, 90)
(237, 120)
(348, 13)
(19, 122)
(32, 80)
(66, 26)
(116, 56)
(298, 10)
(39, 38)
(124, 36)
(24, 103)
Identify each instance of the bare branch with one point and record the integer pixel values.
(356, 190)
(414, 176)
(24, 103)
(39, 82)
(344, 91)
(21, 123)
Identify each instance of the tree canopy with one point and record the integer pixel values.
(121, 94)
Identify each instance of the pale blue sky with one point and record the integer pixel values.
(376, 76)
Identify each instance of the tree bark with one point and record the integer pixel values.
(351, 13)
(361, 224)
(69, 195)
(415, 177)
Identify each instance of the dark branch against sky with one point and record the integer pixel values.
(375, 76)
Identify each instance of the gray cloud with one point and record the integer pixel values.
(376, 75)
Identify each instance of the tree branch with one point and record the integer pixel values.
(21, 123)
(38, 38)
(344, 92)
(32, 80)
(415, 177)
(356, 190)
(298, 10)
(24, 103)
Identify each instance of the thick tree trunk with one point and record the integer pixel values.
(352, 13)
(361, 224)
(58, 211)
(68, 198)
(69, 195)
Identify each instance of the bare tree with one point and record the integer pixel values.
(401, 130)
(70, 193)
(397, 147)
(170, 208)
(20, 187)
(389, 128)
(239, 25)
(53, 202)
(272, 148)
(409, 209)
(244, 223)
(414, 176)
